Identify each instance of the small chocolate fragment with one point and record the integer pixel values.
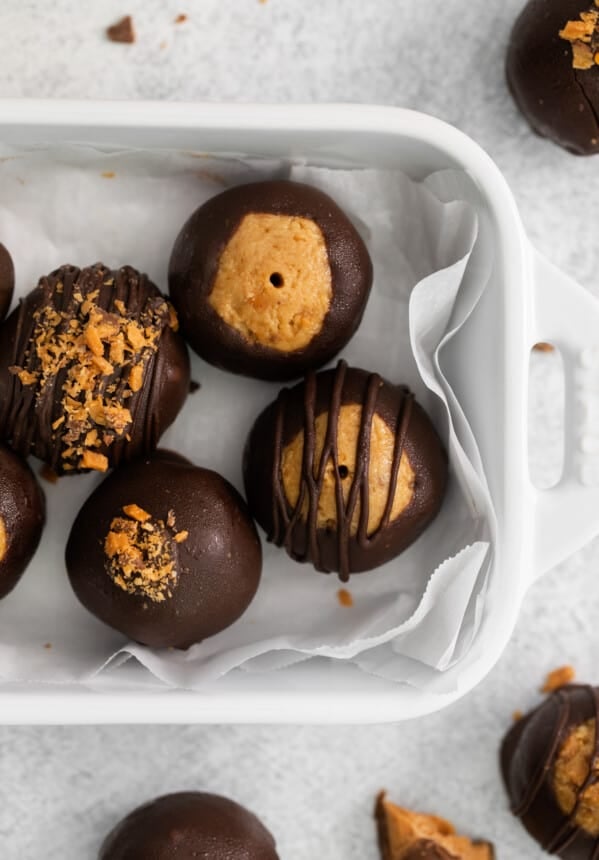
(550, 766)
(553, 71)
(344, 470)
(189, 825)
(407, 835)
(165, 552)
(122, 31)
(7, 281)
(269, 279)
(22, 518)
(92, 369)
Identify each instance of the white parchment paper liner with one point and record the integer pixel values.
(412, 618)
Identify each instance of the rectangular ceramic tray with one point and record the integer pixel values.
(524, 303)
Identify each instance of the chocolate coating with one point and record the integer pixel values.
(296, 410)
(54, 389)
(189, 826)
(528, 756)
(560, 102)
(216, 566)
(194, 266)
(7, 281)
(22, 518)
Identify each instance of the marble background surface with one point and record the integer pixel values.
(62, 788)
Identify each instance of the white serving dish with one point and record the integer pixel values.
(524, 303)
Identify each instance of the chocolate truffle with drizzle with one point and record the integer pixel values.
(550, 765)
(553, 71)
(165, 552)
(344, 470)
(7, 281)
(22, 518)
(407, 835)
(92, 369)
(190, 825)
(269, 279)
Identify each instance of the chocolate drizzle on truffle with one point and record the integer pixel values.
(352, 511)
(313, 472)
(534, 766)
(91, 370)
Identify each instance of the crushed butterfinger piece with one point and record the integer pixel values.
(93, 460)
(345, 598)
(137, 513)
(48, 474)
(558, 678)
(136, 378)
(122, 31)
(542, 346)
(517, 716)
(181, 536)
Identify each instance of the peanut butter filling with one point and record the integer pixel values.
(274, 282)
(140, 553)
(3, 539)
(382, 446)
(583, 35)
(400, 830)
(571, 771)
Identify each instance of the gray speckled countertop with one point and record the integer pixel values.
(62, 788)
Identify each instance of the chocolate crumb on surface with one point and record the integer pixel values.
(122, 31)
(558, 678)
(194, 386)
(48, 474)
(543, 347)
(180, 19)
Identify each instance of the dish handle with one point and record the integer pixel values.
(566, 516)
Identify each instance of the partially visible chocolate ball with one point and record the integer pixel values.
(190, 826)
(344, 470)
(165, 552)
(92, 369)
(553, 71)
(7, 281)
(269, 279)
(22, 518)
(550, 765)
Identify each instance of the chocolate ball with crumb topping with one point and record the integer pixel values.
(190, 825)
(22, 518)
(165, 552)
(344, 470)
(550, 766)
(553, 71)
(92, 369)
(7, 281)
(269, 279)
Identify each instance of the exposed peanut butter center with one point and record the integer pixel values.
(140, 553)
(571, 770)
(274, 283)
(3, 539)
(583, 35)
(404, 829)
(382, 446)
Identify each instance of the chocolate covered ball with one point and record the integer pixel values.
(92, 369)
(550, 766)
(407, 835)
(22, 518)
(269, 279)
(190, 826)
(7, 281)
(344, 470)
(553, 71)
(165, 552)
